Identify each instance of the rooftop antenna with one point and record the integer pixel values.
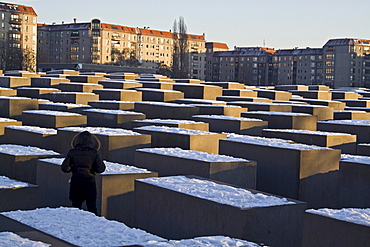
(264, 43)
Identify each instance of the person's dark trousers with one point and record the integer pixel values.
(83, 191)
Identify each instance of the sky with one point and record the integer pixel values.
(278, 24)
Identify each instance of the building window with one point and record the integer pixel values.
(329, 56)
(74, 49)
(329, 78)
(329, 64)
(74, 57)
(329, 71)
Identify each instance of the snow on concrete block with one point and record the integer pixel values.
(199, 101)
(163, 136)
(71, 97)
(191, 206)
(351, 115)
(239, 125)
(12, 239)
(343, 141)
(284, 120)
(4, 122)
(198, 91)
(336, 227)
(17, 195)
(30, 136)
(166, 110)
(243, 98)
(47, 81)
(120, 84)
(117, 145)
(63, 220)
(14, 81)
(119, 94)
(19, 162)
(34, 92)
(115, 188)
(64, 107)
(303, 172)
(7, 92)
(226, 110)
(53, 119)
(354, 174)
(112, 118)
(85, 78)
(322, 112)
(160, 95)
(176, 161)
(360, 128)
(12, 107)
(78, 87)
(183, 124)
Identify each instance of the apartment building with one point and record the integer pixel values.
(101, 43)
(18, 28)
(299, 66)
(347, 62)
(212, 47)
(248, 65)
(339, 63)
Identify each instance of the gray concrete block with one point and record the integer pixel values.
(298, 171)
(178, 215)
(175, 161)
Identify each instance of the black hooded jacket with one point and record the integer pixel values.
(83, 159)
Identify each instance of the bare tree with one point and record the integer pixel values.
(180, 61)
(28, 60)
(125, 58)
(15, 58)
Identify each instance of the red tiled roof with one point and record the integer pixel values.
(16, 8)
(216, 45)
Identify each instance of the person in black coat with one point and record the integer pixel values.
(84, 162)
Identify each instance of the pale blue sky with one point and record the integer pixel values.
(283, 24)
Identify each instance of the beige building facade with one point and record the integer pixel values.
(100, 43)
(18, 27)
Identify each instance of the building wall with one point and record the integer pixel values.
(340, 63)
(94, 42)
(18, 26)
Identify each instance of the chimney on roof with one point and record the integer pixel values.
(75, 20)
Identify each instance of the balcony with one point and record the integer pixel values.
(15, 21)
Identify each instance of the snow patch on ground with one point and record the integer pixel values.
(101, 130)
(192, 154)
(219, 193)
(54, 113)
(354, 215)
(34, 129)
(18, 150)
(212, 241)
(9, 239)
(174, 130)
(6, 183)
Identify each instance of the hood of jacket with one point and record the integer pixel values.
(86, 139)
